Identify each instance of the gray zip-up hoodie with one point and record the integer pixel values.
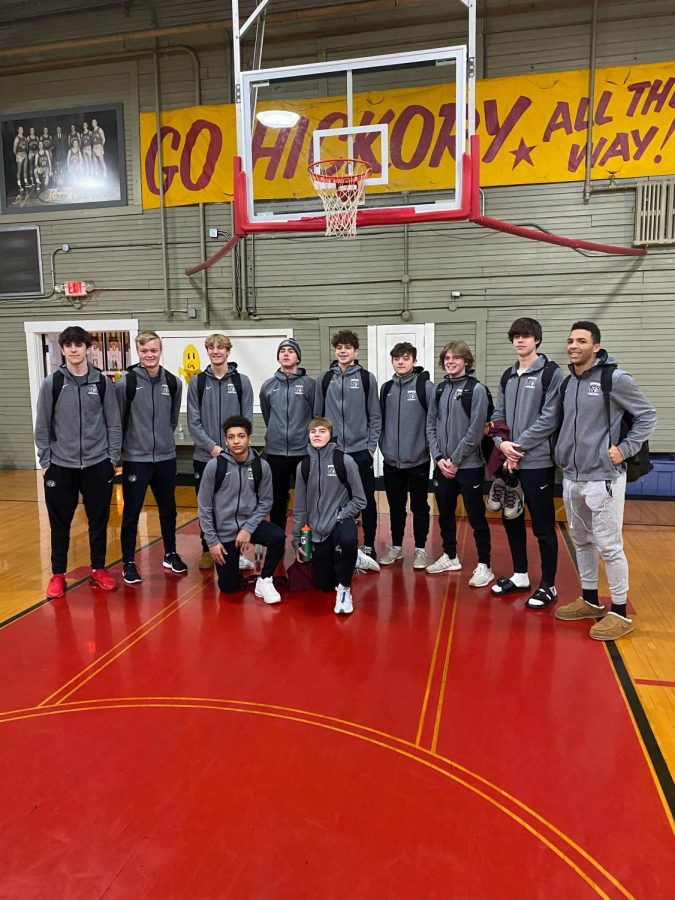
(583, 441)
(286, 403)
(450, 432)
(345, 406)
(519, 405)
(85, 431)
(403, 441)
(324, 500)
(235, 505)
(153, 416)
(219, 402)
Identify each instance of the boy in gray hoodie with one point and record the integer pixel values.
(347, 395)
(286, 403)
(149, 401)
(235, 495)
(330, 506)
(454, 441)
(405, 402)
(213, 395)
(591, 450)
(78, 436)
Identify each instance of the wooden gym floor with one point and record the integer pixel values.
(161, 742)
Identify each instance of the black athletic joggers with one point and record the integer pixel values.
(468, 482)
(267, 535)
(283, 472)
(538, 489)
(160, 477)
(397, 484)
(364, 460)
(333, 566)
(62, 491)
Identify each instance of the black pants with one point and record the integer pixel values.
(333, 567)
(136, 478)
(468, 483)
(198, 468)
(398, 483)
(62, 490)
(267, 534)
(283, 473)
(364, 461)
(538, 489)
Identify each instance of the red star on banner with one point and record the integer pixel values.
(522, 152)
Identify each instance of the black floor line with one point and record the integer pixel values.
(29, 609)
(652, 747)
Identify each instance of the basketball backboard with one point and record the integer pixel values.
(398, 113)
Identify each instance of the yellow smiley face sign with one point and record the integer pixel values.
(191, 363)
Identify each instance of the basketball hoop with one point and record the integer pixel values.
(341, 184)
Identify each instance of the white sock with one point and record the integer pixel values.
(520, 579)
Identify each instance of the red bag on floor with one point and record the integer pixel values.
(300, 577)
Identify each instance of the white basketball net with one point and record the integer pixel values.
(341, 185)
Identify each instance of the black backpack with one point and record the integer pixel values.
(340, 469)
(546, 377)
(637, 465)
(420, 387)
(365, 384)
(466, 398)
(57, 386)
(221, 471)
(236, 381)
(130, 394)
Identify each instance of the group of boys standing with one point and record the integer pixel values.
(346, 419)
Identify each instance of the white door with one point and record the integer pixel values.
(381, 338)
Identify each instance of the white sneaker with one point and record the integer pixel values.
(495, 498)
(343, 600)
(392, 554)
(420, 561)
(482, 575)
(444, 564)
(245, 563)
(366, 563)
(264, 587)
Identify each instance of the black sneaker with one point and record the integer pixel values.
(130, 574)
(175, 563)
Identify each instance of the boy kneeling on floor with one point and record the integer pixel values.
(234, 497)
(328, 497)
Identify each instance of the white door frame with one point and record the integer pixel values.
(34, 331)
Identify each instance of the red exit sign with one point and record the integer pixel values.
(75, 289)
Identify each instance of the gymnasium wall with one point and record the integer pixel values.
(308, 282)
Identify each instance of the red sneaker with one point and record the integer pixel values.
(103, 579)
(56, 587)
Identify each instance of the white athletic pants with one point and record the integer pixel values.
(595, 518)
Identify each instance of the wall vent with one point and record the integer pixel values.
(655, 213)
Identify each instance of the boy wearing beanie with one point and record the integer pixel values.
(286, 403)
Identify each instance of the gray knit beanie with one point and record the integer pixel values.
(293, 344)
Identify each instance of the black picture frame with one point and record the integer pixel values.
(96, 179)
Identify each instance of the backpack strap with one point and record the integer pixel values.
(503, 381)
(466, 397)
(236, 381)
(256, 468)
(421, 388)
(384, 393)
(130, 394)
(439, 392)
(325, 381)
(341, 469)
(304, 469)
(606, 377)
(221, 472)
(57, 386)
(365, 384)
(172, 382)
(201, 387)
(546, 377)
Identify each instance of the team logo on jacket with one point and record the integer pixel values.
(458, 395)
(594, 389)
(355, 383)
(531, 381)
(330, 470)
(412, 395)
(299, 390)
(165, 390)
(250, 474)
(231, 389)
(92, 390)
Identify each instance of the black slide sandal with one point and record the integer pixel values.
(506, 586)
(544, 595)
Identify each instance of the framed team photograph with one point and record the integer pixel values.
(62, 159)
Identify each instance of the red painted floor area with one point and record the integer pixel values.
(161, 742)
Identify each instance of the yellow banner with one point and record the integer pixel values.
(532, 129)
